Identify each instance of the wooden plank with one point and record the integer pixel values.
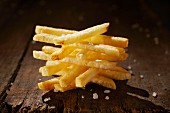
(134, 95)
(13, 43)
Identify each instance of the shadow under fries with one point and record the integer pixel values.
(124, 99)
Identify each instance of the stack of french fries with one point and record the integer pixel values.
(85, 57)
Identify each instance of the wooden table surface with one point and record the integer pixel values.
(138, 20)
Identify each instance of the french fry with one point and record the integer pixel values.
(63, 52)
(44, 38)
(116, 75)
(41, 55)
(109, 50)
(96, 64)
(109, 40)
(85, 56)
(86, 77)
(119, 69)
(89, 32)
(51, 69)
(92, 55)
(49, 84)
(99, 39)
(52, 31)
(58, 87)
(50, 49)
(104, 81)
(70, 75)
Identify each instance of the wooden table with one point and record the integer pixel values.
(149, 56)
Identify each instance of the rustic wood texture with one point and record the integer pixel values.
(148, 56)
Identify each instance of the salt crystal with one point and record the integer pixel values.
(98, 60)
(63, 35)
(130, 71)
(106, 91)
(39, 79)
(47, 99)
(141, 76)
(80, 55)
(129, 67)
(95, 96)
(82, 96)
(154, 94)
(12, 83)
(134, 60)
(52, 107)
(156, 40)
(107, 97)
(7, 91)
(159, 74)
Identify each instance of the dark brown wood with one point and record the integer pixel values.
(14, 40)
(128, 19)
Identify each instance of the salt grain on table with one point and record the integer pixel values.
(154, 94)
(129, 67)
(141, 76)
(82, 96)
(47, 99)
(159, 74)
(134, 60)
(107, 97)
(130, 71)
(106, 91)
(95, 96)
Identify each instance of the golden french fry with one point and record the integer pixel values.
(109, 40)
(115, 74)
(58, 87)
(104, 81)
(70, 75)
(89, 32)
(85, 56)
(52, 31)
(109, 50)
(50, 49)
(96, 64)
(99, 39)
(86, 77)
(92, 55)
(63, 52)
(41, 55)
(51, 69)
(49, 84)
(44, 38)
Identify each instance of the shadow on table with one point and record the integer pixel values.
(124, 99)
